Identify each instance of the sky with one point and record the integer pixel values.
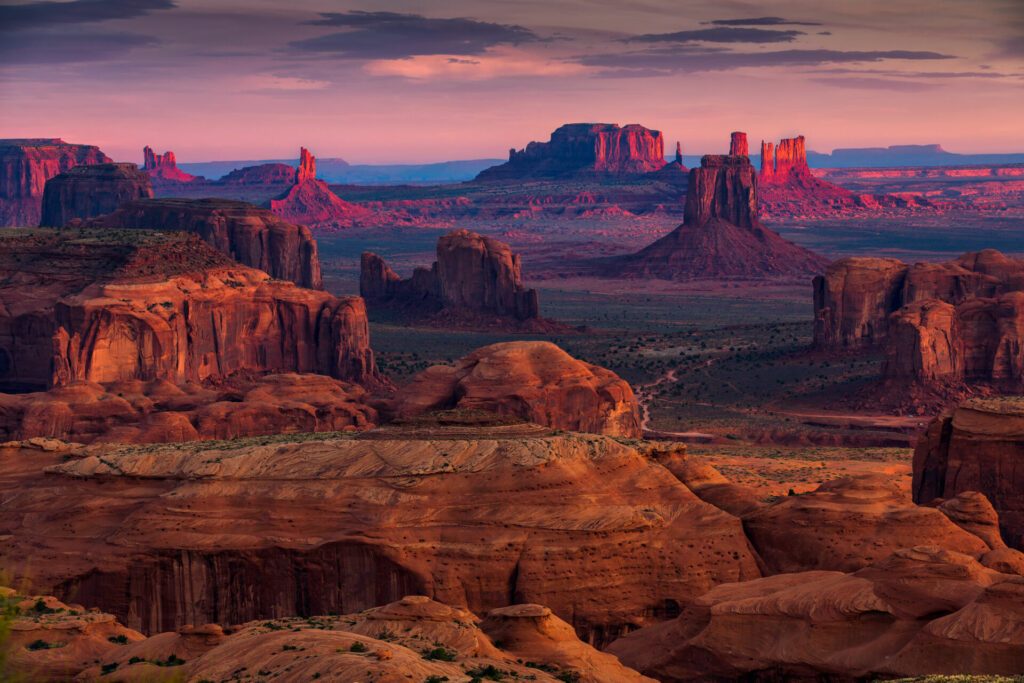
(397, 81)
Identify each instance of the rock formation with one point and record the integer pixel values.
(679, 153)
(484, 517)
(310, 201)
(106, 306)
(721, 236)
(262, 174)
(919, 611)
(535, 381)
(26, 165)
(738, 146)
(163, 168)
(87, 191)
(252, 236)
(473, 276)
(411, 636)
(581, 149)
(976, 447)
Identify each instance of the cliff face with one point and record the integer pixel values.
(252, 236)
(164, 167)
(722, 235)
(977, 446)
(87, 191)
(586, 148)
(473, 274)
(26, 165)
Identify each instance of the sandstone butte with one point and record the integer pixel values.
(26, 165)
(163, 168)
(311, 202)
(976, 446)
(248, 234)
(473, 276)
(87, 191)
(477, 516)
(116, 305)
(585, 149)
(534, 381)
(410, 637)
(721, 236)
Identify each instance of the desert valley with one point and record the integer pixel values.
(595, 411)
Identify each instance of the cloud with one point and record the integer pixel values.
(499, 62)
(43, 47)
(390, 35)
(664, 61)
(273, 82)
(762, 21)
(720, 35)
(867, 83)
(32, 15)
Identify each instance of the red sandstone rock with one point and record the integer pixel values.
(791, 158)
(263, 174)
(473, 275)
(738, 146)
(585, 149)
(767, 173)
(252, 236)
(535, 381)
(976, 447)
(164, 167)
(93, 190)
(307, 166)
(310, 201)
(920, 611)
(26, 165)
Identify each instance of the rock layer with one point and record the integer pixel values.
(535, 381)
(585, 149)
(26, 165)
(252, 236)
(88, 191)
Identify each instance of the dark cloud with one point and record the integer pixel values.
(720, 35)
(671, 60)
(36, 47)
(389, 35)
(762, 21)
(856, 83)
(33, 15)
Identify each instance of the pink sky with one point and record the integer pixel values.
(391, 82)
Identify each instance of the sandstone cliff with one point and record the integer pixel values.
(535, 381)
(473, 275)
(252, 236)
(585, 149)
(721, 236)
(87, 191)
(163, 168)
(26, 165)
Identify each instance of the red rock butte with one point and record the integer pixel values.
(93, 190)
(163, 167)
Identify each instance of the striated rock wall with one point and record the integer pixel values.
(87, 191)
(26, 165)
(252, 236)
(724, 187)
(738, 146)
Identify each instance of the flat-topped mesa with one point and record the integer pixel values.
(26, 165)
(585, 149)
(250, 235)
(738, 146)
(163, 167)
(262, 174)
(473, 274)
(88, 191)
(724, 187)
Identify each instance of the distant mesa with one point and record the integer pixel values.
(475, 278)
(88, 191)
(721, 236)
(585, 149)
(26, 165)
(248, 234)
(163, 168)
(261, 174)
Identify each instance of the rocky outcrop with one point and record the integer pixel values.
(917, 612)
(474, 275)
(535, 381)
(106, 306)
(262, 174)
(307, 166)
(485, 517)
(581, 149)
(26, 165)
(252, 236)
(87, 191)
(738, 146)
(158, 411)
(721, 236)
(976, 447)
(310, 201)
(163, 168)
